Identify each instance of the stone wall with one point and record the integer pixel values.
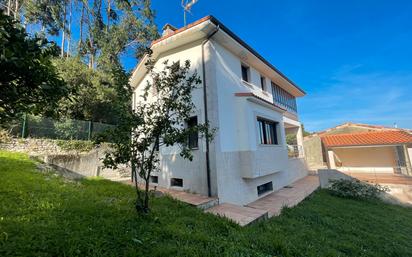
(32, 146)
(313, 152)
(85, 164)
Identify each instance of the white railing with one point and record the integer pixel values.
(295, 151)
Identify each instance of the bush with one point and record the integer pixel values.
(356, 189)
(75, 145)
(5, 136)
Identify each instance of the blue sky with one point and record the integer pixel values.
(353, 58)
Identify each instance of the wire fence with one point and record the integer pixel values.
(67, 129)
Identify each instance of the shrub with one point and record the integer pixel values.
(67, 129)
(75, 145)
(356, 189)
(5, 136)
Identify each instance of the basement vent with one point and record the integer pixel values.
(267, 187)
(176, 182)
(154, 179)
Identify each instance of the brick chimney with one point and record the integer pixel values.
(168, 29)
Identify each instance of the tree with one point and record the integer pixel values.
(95, 95)
(28, 79)
(157, 120)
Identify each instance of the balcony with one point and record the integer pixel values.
(295, 151)
(284, 98)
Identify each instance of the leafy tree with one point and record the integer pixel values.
(305, 133)
(157, 120)
(96, 95)
(28, 79)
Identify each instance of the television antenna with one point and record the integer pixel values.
(187, 5)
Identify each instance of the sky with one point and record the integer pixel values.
(353, 58)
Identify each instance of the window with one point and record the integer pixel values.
(267, 132)
(267, 187)
(193, 141)
(283, 98)
(154, 179)
(245, 73)
(263, 83)
(176, 182)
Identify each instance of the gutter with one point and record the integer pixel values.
(209, 190)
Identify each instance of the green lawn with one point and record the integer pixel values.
(44, 215)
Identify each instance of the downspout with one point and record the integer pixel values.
(209, 190)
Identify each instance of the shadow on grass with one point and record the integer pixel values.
(44, 215)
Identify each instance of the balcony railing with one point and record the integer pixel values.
(295, 151)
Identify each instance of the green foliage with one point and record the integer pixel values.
(44, 215)
(291, 139)
(28, 79)
(96, 95)
(157, 120)
(75, 145)
(356, 189)
(67, 129)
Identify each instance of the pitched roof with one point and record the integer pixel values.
(356, 125)
(235, 37)
(386, 137)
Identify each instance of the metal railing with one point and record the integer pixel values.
(67, 129)
(295, 151)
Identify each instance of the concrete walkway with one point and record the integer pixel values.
(288, 196)
(266, 207)
(382, 178)
(196, 200)
(242, 215)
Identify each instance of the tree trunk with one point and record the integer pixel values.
(146, 195)
(81, 26)
(108, 15)
(16, 10)
(69, 34)
(63, 31)
(9, 7)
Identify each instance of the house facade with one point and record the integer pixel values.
(250, 103)
(361, 148)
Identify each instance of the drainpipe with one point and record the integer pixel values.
(209, 191)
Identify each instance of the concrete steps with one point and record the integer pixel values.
(288, 196)
(263, 208)
(242, 215)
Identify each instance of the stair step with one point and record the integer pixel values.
(242, 215)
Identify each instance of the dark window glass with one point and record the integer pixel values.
(245, 73)
(176, 182)
(154, 179)
(267, 187)
(262, 83)
(283, 98)
(193, 141)
(267, 132)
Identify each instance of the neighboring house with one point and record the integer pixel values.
(250, 102)
(361, 148)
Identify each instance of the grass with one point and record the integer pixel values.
(45, 215)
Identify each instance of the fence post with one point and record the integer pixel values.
(24, 126)
(89, 134)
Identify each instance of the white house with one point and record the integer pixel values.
(249, 101)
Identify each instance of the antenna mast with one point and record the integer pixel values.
(187, 5)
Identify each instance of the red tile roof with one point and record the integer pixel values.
(386, 137)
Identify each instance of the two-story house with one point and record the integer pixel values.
(249, 101)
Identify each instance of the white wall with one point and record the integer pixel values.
(238, 151)
(366, 159)
(171, 164)
(238, 162)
